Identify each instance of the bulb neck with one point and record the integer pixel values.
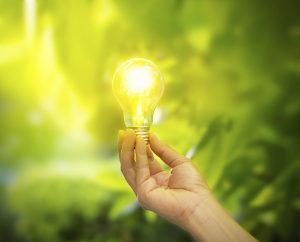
(142, 131)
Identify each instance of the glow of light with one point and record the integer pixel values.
(30, 19)
(139, 80)
(157, 116)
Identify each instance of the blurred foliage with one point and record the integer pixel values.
(231, 103)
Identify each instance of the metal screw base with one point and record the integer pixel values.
(142, 131)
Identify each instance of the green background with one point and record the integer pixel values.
(231, 102)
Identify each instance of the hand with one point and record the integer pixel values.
(174, 196)
(181, 196)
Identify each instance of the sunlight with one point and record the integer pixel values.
(29, 20)
(57, 97)
(103, 11)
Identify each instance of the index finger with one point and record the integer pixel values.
(167, 154)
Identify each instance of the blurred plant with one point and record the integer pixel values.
(71, 204)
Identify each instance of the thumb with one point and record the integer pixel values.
(167, 154)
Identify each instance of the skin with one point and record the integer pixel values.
(182, 196)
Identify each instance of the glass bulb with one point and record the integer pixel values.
(138, 85)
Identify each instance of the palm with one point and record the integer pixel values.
(173, 194)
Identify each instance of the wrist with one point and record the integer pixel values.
(210, 222)
(198, 222)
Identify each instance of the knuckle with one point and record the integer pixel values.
(126, 169)
(175, 161)
(162, 152)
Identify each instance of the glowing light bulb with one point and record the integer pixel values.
(138, 86)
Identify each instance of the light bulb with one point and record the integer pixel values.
(138, 85)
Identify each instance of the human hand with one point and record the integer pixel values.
(173, 196)
(181, 196)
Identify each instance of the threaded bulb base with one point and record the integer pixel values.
(142, 131)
